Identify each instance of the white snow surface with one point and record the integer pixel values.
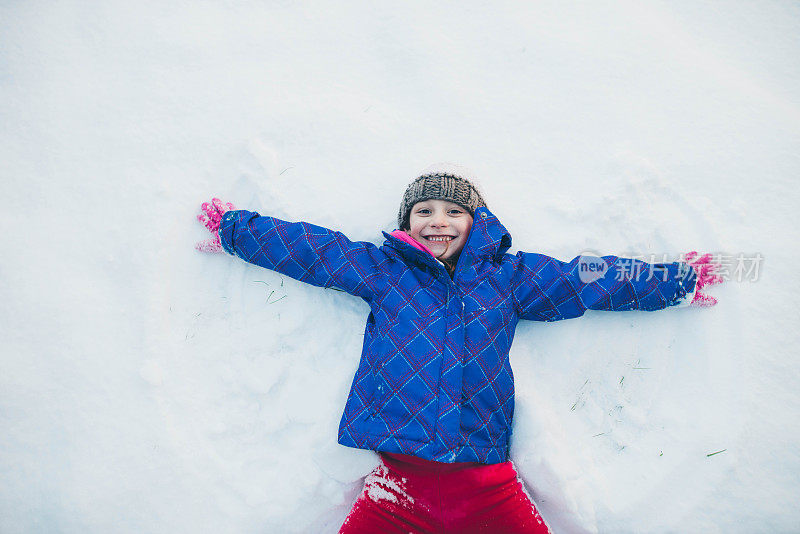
(147, 387)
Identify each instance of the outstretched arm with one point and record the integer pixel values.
(303, 251)
(547, 289)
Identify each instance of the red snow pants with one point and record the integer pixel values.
(406, 494)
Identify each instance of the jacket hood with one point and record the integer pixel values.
(488, 239)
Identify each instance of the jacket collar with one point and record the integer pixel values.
(487, 239)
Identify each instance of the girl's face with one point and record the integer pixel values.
(440, 225)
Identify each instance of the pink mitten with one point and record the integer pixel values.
(211, 217)
(706, 271)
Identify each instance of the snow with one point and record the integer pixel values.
(379, 485)
(149, 388)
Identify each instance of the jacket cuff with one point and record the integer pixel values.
(688, 286)
(225, 231)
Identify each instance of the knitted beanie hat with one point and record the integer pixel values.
(442, 181)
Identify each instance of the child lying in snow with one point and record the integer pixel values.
(434, 391)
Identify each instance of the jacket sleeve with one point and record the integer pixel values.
(546, 289)
(303, 251)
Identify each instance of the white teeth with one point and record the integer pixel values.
(443, 238)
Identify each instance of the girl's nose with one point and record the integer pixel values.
(439, 220)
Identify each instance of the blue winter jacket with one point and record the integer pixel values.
(434, 380)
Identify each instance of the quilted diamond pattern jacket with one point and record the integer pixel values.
(434, 380)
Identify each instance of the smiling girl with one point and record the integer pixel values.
(434, 391)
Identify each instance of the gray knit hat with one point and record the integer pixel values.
(443, 181)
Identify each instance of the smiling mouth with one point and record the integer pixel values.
(440, 238)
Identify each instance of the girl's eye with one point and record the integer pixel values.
(426, 211)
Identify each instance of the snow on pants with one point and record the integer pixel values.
(406, 494)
